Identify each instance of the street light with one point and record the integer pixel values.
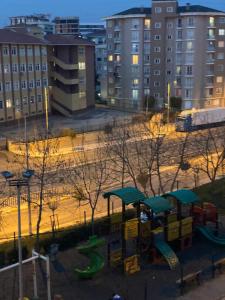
(18, 183)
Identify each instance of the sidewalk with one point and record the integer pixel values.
(210, 290)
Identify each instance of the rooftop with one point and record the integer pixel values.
(10, 36)
(57, 39)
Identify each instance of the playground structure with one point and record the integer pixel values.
(160, 227)
(96, 260)
(35, 256)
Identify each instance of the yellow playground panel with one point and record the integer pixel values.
(131, 229)
(116, 257)
(186, 226)
(132, 264)
(173, 231)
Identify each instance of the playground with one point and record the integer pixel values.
(157, 248)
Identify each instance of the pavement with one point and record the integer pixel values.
(210, 290)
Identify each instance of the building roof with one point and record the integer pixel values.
(128, 195)
(10, 36)
(66, 40)
(181, 9)
(184, 196)
(158, 204)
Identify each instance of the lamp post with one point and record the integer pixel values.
(18, 183)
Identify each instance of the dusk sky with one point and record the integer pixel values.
(87, 10)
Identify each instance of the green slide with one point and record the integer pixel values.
(167, 252)
(207, 233)
(96, 260)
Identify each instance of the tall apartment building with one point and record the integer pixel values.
(149, 48)
(72, 74)
(36, 20)
(67, 25)
(23, 75)
(28, 65)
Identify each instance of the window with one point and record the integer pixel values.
(8, 86)
(39, 98)
(157, 49)
(32, 99)
(135, 23)
(29, 51)
(179, 34)
(135, 59)
(45, 82)
(209, 92)
(5, 51)
(220, 68)
(81, 65)
(190, 33)
(81, 50)
(146, 81)
(156, 83)
(1, 104)
(169, 9)
(135, 36)
(179, 23)
(146, 92)
(156, 72)
(146, 47)
(189, 70)
(135, 82)
(22, 51)
(169, 37)
(17, 105)
(37, 51)
(6, 69)
(22, 68)
(110, 35)
(189, 58)
(211, 21)
(211, 33)
(8, 103)
(169, 49)
(146, 35)
(220, 55)
(168, 60)
(190, 21)
(190, 46)
(146, 58)
(157, 60)
(188, 93)
(82, 94)
(158, 25)
(221, 20)
(221, 31)
(23, 84)
(16, 85)
(179, 46)
(169, 25)
(30, 67)
(219, 90)
(44, 67)
(38, 83)
(135, 69)
(147, 23)
(0, 86)
(24, 100)
(146, 70)
(219, 79)
(14, 51)
(135, 94)
(37, 67)
(221, 44)
(157, 37)
(158, 10)
(110, 57)
(109, 24)
(135, 48)
(189, 82)
(14, 68)
(31, 84)
(117, 58)
(178, 70)
(43, 50)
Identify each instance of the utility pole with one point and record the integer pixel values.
(168, 102)
(28, 186)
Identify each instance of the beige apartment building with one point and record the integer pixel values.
(29, 66)
(167, 44)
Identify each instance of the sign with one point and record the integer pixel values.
(132, 265)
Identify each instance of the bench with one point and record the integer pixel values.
(218, 265)
(190, 278)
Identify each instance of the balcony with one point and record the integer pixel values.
(64, 80)
(65, 66)
(211, 37)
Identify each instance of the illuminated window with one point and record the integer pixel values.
(135, 94)
(81, 65)
(8, 103)
(211, 21)
(221, 31)
(117, 58)
(147, 23)
(110, 58)
(219, 79)
(135, 59)
(135, 81)
(221, 44)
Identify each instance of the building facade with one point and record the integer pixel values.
(91, 28)
(71, 73)
(182, 47)
(23, 75)
(40, 20)
(30, 66)
(67, 25)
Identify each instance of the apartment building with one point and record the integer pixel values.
(28, 65)
(23, 75)
(67, 25)
(149, 48)
(90, 28)
(41, 21)
(71, 73)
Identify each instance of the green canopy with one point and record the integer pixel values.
(158, 204)
(128, 195)
(184, 196)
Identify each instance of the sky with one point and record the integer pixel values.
(87, 10)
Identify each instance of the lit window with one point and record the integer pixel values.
(135, 94)
(110, 58)
(189, 46)
(135, 59)
(81, 65)
(8, 103)
(6, 69)
(219, 79)
(117, 57)
(147, 23)
(211, 21)
(221, 44)
(221, 31)
(135, 81)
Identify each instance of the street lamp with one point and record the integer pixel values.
(18, 183)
